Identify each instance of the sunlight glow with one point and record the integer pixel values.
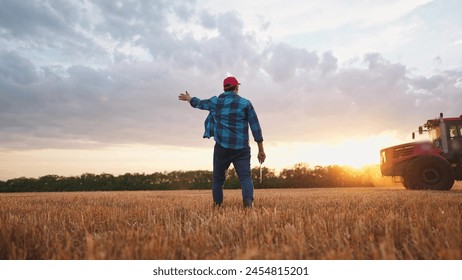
(354, 152)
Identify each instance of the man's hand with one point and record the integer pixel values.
(184, 96)
(261, 157)
(261, 152)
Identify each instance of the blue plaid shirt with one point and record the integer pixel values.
(229, 120)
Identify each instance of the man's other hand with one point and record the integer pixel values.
(261, 157)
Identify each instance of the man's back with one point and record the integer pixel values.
(229, 120)
(232, 121)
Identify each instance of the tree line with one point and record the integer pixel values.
(300, 176)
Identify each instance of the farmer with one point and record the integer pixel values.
(230, 116)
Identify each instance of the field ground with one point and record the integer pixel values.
(356, 223)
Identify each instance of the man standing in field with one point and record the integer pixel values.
(228, 122)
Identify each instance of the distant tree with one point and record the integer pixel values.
(232, 181)
(300, 175)
(269, 178)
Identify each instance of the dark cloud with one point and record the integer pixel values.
(36, 25)
(16, 68)
(124, 19)
(26, 19)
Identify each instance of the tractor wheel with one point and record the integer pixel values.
(429, 173)
(405, 185)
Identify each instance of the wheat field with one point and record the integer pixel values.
(324, 224)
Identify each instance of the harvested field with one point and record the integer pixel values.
(356, 223)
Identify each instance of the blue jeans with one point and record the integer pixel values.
(222, 159)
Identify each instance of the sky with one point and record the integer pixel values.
(92, 86)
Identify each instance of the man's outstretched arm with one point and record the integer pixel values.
(203, 104)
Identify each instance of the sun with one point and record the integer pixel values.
(354, 152)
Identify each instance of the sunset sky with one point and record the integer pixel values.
(92, 86)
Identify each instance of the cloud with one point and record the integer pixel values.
(80, 74)
(17, 69)
(25, 20)
(285, 61)
(328, 63)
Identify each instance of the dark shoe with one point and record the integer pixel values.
(247, 203)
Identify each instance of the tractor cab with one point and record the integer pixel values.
(446, 135)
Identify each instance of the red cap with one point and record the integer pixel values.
(230, 82)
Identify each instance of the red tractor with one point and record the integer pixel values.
(428, 165)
